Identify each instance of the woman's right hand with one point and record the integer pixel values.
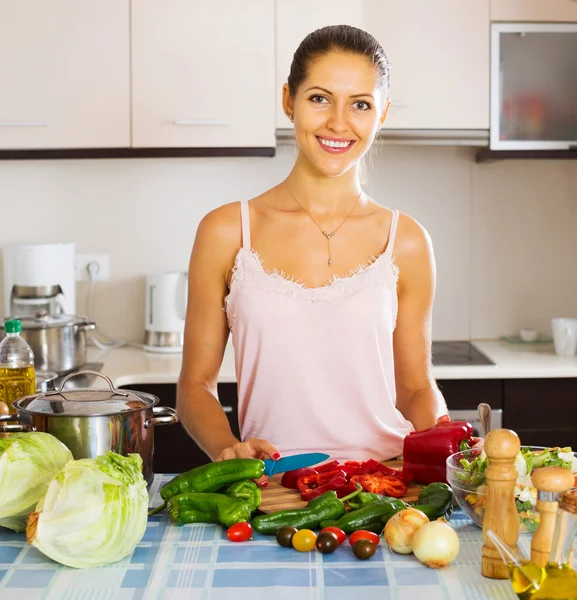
(251, 448)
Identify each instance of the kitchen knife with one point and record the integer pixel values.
(290, 463)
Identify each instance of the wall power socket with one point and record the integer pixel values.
(99, 266)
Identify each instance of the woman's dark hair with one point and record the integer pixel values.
(338, 37)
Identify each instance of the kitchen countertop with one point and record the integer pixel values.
(197, 562)
(131, 365)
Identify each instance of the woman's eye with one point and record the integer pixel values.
(317, 98)
(362, 105)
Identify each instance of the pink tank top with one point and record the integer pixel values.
(315, 366)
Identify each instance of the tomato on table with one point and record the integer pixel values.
(239, 532)
(363, 534)
(304, 540)
(341, 535)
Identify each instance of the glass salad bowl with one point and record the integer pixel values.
(466, 476)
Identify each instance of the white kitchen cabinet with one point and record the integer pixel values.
(295, 19)
(542, 11)
(203, 73)
(64, 74)
(439, 55)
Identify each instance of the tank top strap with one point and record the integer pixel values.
(245, 224)
(392, 233)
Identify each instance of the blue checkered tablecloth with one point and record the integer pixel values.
(197, 562)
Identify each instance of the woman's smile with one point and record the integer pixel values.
(334, 145)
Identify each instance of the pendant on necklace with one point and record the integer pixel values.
(330, 262)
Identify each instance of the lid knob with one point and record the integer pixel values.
(12, 326)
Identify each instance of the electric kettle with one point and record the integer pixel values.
(165, 311)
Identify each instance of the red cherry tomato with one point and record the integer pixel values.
(239, 532)
(341, 535)
(363, 534)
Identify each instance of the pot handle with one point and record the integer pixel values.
(4, 428)
(163, 415)
(86, 371)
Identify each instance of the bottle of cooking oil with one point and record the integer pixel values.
(558, 579)
(17, 375)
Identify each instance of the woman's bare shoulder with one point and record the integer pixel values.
(412, 238)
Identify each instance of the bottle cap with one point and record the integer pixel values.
(13, 326)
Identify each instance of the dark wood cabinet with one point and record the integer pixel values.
(174, 449)
(543, 412)
(467, 394)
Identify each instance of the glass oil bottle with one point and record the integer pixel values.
(558, 579)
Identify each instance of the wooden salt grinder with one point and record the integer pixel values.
(501, 447)
(550, 482)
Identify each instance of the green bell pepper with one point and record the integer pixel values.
(436, 500)
(373, 516)
(323, 507)
(198, 507)
(247, 492)
(363, 499)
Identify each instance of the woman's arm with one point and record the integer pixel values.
(205, 336)
(418, 397)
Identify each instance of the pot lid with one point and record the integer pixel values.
(86, 402)
(44, 321)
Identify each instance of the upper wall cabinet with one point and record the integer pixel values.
(203, 73)
(534, 10)
(439, 55)
(64, 74)
(295, 19)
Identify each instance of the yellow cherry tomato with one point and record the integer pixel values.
(304, 540)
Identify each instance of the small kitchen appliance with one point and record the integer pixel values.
(39, 278)
(165, 311)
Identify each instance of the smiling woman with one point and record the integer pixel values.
(327, 293)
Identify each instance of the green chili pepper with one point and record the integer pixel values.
(247, 492)
(373, 516)
(436, 500)
(363, 499)
(323, 507)
(198, 507)
(211, 478)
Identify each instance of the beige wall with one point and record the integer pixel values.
(505, 234)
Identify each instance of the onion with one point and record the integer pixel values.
(436, 544)
(401, 528)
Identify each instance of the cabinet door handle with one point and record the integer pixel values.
(200, 122)
(23, 124)
(227, 409)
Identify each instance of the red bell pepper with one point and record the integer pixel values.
(335, 483)
(329, 466)
(290, 478)
(425, 452)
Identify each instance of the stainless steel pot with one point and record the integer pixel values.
(58, 342)
(90, 421)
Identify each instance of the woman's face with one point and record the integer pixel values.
(337, 110)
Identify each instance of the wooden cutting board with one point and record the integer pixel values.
(276, 497)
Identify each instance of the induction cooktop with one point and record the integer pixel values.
(458, 353)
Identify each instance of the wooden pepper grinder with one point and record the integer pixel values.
(550, 482)
(501, 447)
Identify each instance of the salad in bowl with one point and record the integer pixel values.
(466, 476)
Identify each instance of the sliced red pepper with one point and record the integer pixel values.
(402, 475)
(381, 484)
(329, 466)
(334, 484)
(345, 490)
(290, 478)
(309, 482)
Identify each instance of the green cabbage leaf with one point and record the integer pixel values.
(94, 512)
(28, 462)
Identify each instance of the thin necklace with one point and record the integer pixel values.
(328, 234)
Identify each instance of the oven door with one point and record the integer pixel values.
(472, 416)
